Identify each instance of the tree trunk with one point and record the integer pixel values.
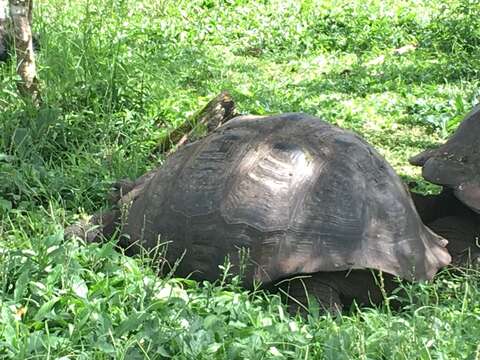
(21, 14)
(3, 30)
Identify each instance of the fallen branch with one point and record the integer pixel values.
(217, 112)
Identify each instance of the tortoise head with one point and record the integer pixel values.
(456, 164)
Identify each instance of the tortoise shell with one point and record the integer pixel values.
(456, 164)
(294, 193)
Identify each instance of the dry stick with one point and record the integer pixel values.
(21, 14)
(217, 112)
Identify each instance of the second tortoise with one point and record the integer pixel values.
(455, 213)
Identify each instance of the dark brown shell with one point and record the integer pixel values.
(300, 195)
(456, 164)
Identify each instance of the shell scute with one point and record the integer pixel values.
(298, 194)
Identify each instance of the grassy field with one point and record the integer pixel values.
(119, 76)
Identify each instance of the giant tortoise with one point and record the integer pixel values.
(455, 213)
(296, 194)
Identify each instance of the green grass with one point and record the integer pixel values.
(118, 76)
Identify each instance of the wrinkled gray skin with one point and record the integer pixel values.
(301, 196)
(455, 165)
(450, 218)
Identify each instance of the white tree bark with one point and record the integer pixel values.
(3, 29)
(21, 14)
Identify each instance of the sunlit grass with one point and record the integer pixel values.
(118, 76)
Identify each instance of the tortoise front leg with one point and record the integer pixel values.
(433, 207)
(300, 291)
(463, 235)
(98, 228)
